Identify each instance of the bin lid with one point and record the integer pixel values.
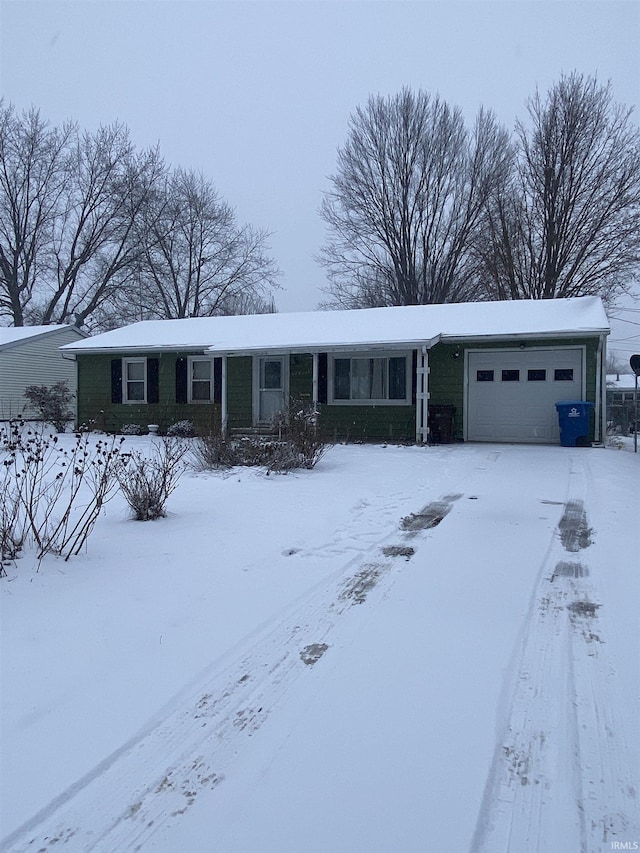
(573, 403)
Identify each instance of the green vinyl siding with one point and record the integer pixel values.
(358, 422)
(446, 381)
(301, 377)
(240, 392)
(96, 410)
(363, 423)
(446, 370)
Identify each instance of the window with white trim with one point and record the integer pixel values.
(200, 380)
(134, 380)
(368, 379)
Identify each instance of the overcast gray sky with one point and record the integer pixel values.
(257, 95)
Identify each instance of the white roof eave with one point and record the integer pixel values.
(135, 349)
(528, 335)
(297, 349)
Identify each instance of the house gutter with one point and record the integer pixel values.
(316, 348)
(200, 349)
(518, 337)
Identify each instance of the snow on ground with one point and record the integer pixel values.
(283, 664)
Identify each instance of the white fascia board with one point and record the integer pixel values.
(523, 336)
(362, 346)
(134, 350)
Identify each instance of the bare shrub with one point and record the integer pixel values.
(50, 494)
(301, 445)
(147, 479)
(217, 451)
(182, 429)
(296, 444)
(52, 404)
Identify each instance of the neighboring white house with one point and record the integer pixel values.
(30, 355)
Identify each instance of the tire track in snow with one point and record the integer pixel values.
(559, 781)
(155, 778)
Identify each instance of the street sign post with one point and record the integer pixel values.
(634, 361)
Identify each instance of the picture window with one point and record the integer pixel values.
(370, 379)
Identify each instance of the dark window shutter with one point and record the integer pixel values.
(217, 380)
(153, 385)
(322, 377)
(414, 378)
(181, 380)
(116, 380)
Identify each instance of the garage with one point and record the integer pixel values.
(511, 393)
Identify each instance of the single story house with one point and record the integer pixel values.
(483, 371)
(31, 355)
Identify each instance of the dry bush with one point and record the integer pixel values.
(147, 479)
(295, 444)
(51, 494)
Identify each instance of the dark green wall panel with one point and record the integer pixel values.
(381, 423)
(96, 409)
(240, 392)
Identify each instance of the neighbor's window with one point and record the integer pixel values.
(200, 380)
(511, 376)
(134, 387)
(563, 374)
(370, 379)
(537, 375)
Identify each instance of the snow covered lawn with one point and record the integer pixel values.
(405, 649)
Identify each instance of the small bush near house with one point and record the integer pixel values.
(297, 445)
(131, 429)
(182, 429)
(299, 429)
(147, 479)
(216, 451)
(52, 404)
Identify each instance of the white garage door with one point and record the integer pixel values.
(512, 393)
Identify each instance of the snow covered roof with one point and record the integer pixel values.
(11, 335)
(621, 381)
(370, 328)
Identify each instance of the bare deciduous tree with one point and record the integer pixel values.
(410, 187)
(94, 232)
(96, 240)
(69, 210)
(567, 222)
(198, 261)
(33, 179)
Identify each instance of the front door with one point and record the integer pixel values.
(271, 387)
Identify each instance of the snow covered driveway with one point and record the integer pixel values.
(407, 649)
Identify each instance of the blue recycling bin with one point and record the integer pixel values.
(574, 417)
